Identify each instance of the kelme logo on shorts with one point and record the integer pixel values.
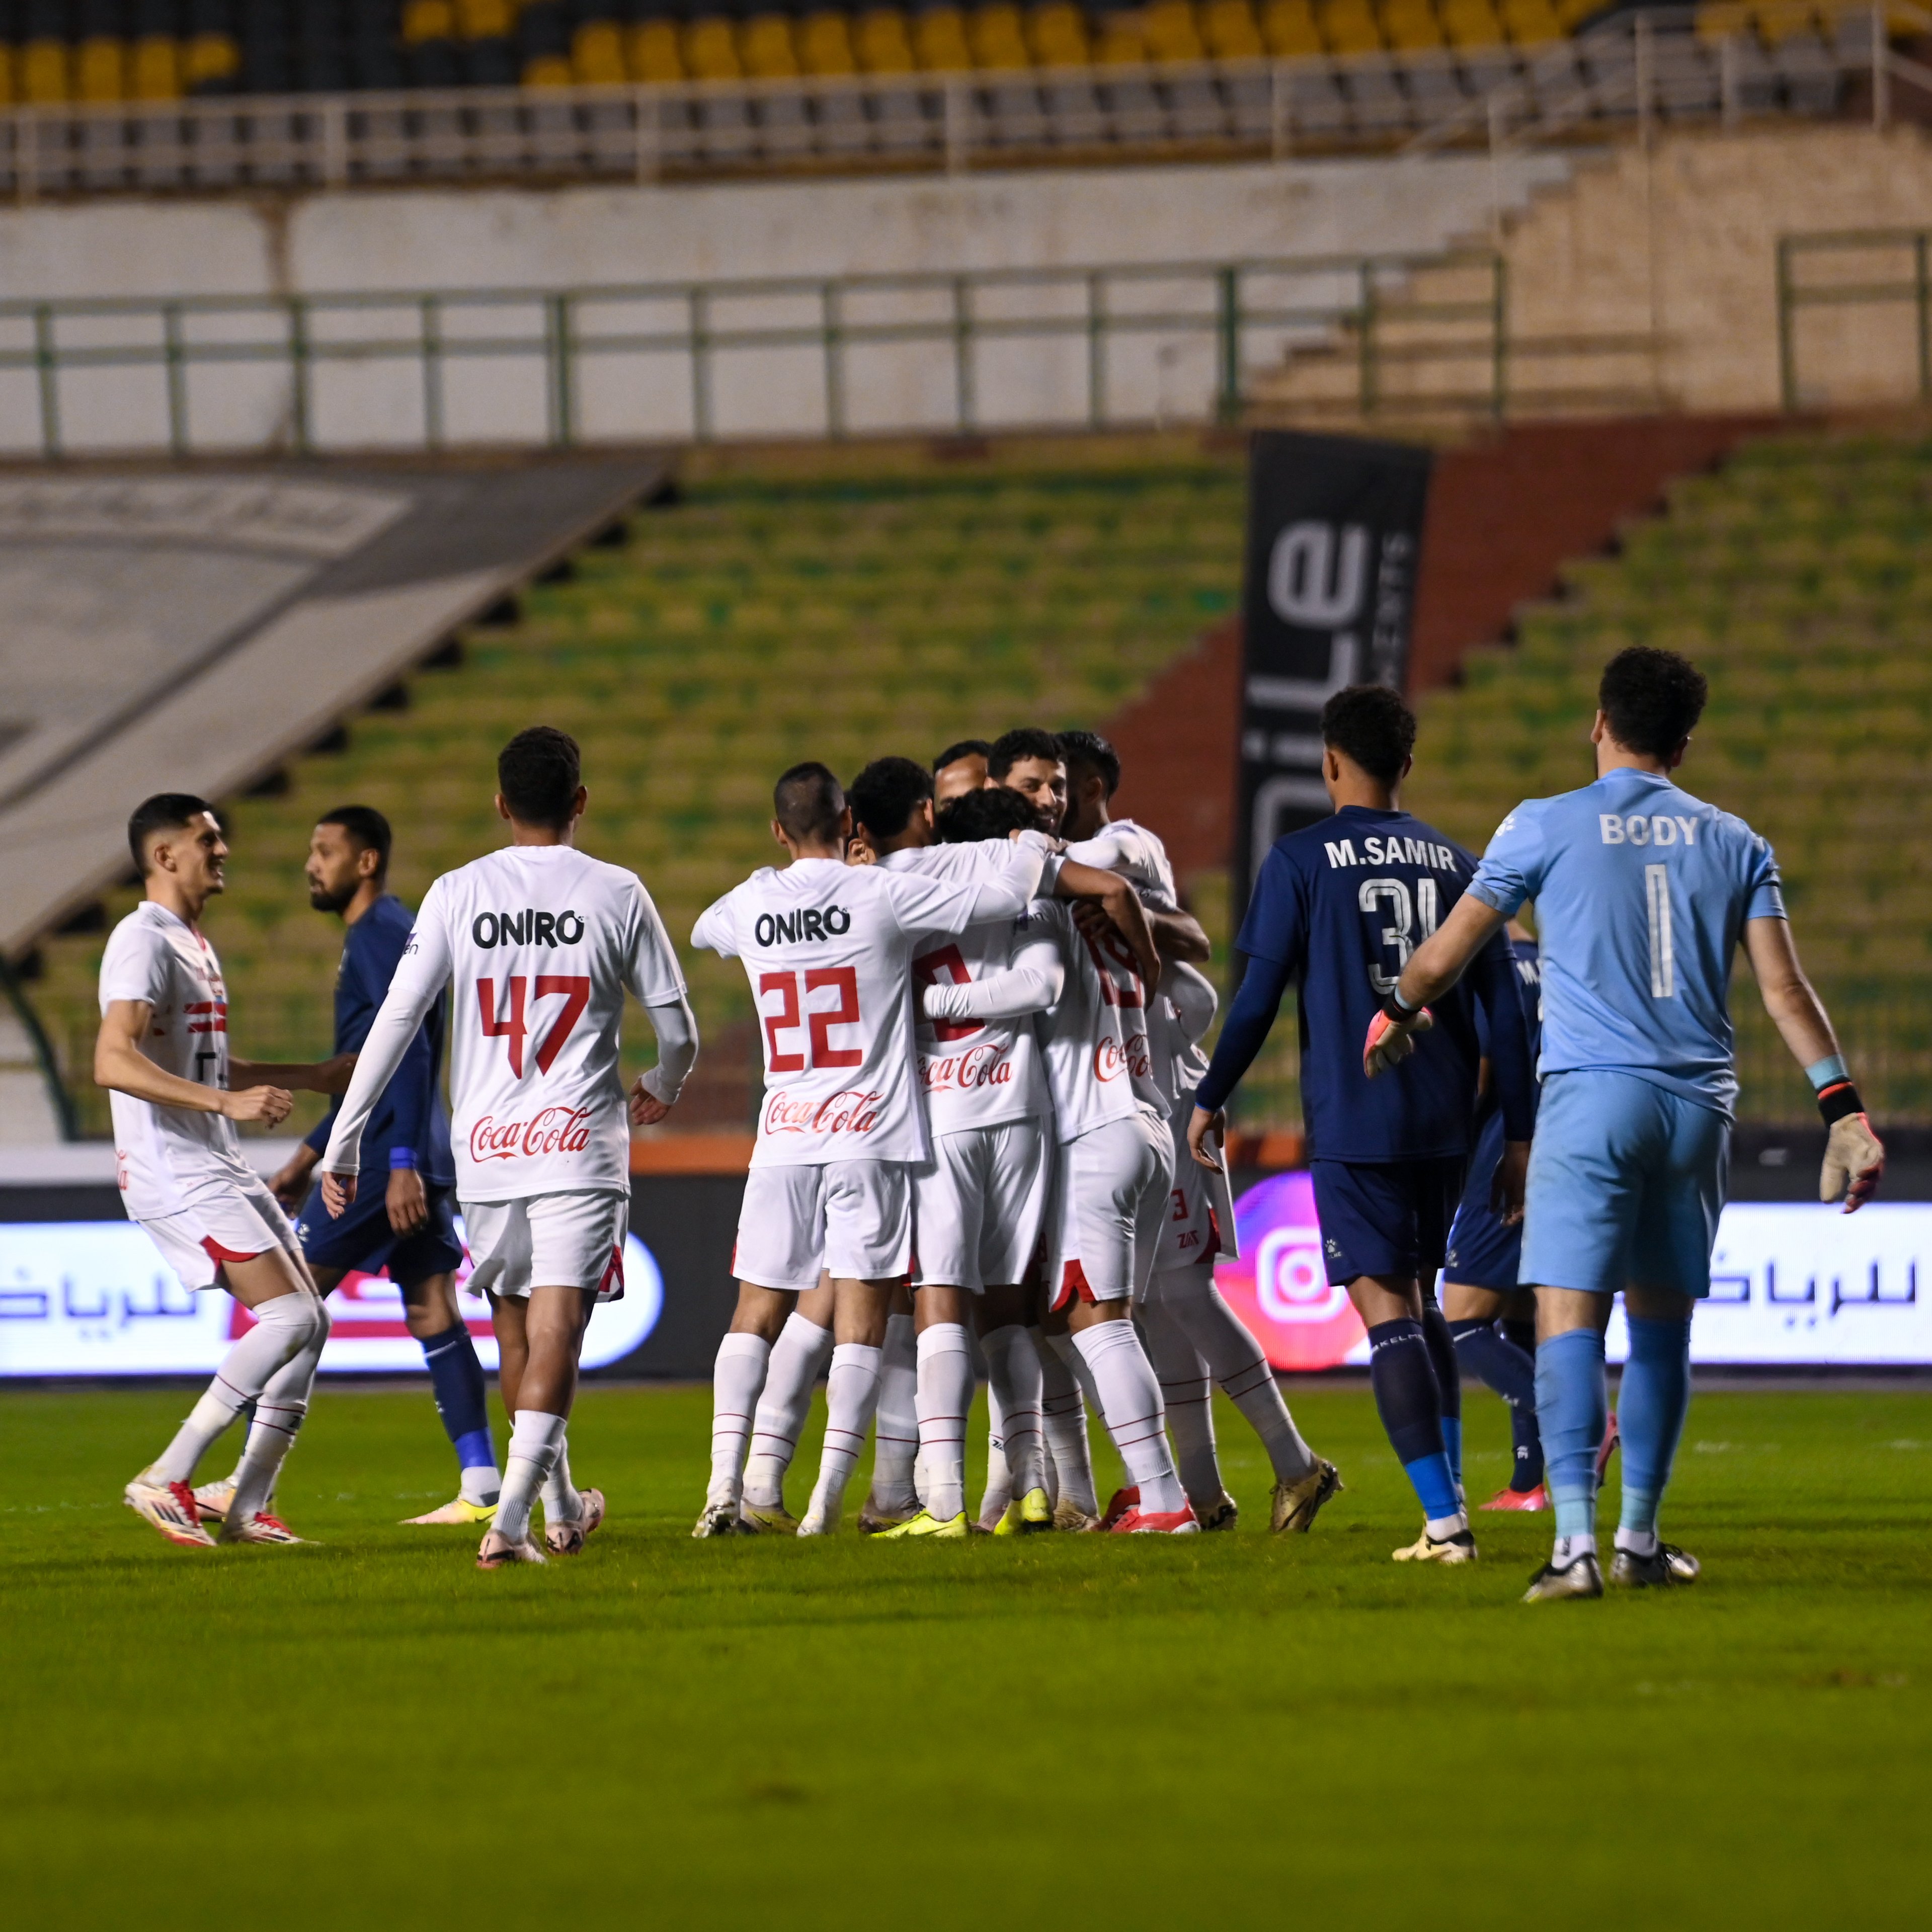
(527, 927)
(812, 922)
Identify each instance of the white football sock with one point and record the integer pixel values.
(1013, 1377)
(1131, 1406)
(562, 1503)
(799, 1356)
(279, 1410)
(998, 1491)
(945, 1395)
(536, 1437)
(1637, 1542)
(1063, 1419)
(851, 1394)
(481, 1485)
(1235, 1361)
(894, 1492)
(282, 1326)
(1569, 1548)
(736, 1379)
(1183, 1393)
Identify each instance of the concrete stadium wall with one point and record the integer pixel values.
(558, 238)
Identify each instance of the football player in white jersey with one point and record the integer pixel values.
(539, 944)
(980, 1202)
(1114, 1169)
(162, 1054)
(1192, 1332)
(828, 950)
(960, 768)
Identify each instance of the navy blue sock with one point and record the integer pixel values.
(1448, 1380)
(457, 1376)
(1492, 1357)
(1409, 1400)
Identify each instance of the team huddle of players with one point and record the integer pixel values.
(987, 1120)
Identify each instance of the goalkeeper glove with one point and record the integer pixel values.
(1854, 1155)
(1392, 1035)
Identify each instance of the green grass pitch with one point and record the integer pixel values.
(1063, 1732)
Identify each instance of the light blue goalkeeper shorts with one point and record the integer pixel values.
(1626, 1183)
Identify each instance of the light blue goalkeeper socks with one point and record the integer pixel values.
(1651, 1404)
(1571, 1407)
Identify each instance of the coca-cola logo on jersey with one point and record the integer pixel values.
(847, 1111)
(1112, 1059)
(985, 1065)
(527, 927)
(550, 1130)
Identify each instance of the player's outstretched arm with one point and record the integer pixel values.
(1031, 984)
(1121, 904)
(120, 1065)
(1854, 1155)
(318, 1076)
(654, 1094)
(1433, 968)
(1181, 938)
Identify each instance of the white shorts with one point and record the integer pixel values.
(852, 1218)
(573, 1239)
(978, 1205)
(1114, 1183)
(1189, 1230)
(221, 1221)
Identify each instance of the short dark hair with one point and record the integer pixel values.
(966, 748)
(885, 794)
(1369, 724)
(1090, 749)
(1009, 748)
(991, 814)
(1651, 699)
(165, 811)
(367, 828)
(807, 802)
(538, 772)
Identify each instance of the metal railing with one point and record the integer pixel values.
(1111, 345)
(1881, 278)
(1662, 64)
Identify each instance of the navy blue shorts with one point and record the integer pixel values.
(1385, 1217)
(1483, 1252)
(363, 1238)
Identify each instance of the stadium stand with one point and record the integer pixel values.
(823, 607)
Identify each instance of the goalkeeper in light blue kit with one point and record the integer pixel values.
(1642, 893)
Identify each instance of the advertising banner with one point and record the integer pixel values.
(1791, 1282)
(1334, 538)
(95, 1298)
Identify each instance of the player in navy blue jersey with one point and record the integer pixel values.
(1492, 1321)
(402, 1219)
(1336, 911)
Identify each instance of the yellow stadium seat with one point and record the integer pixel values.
(155, 72)
(210, 57)
(1573, 13)
(711, 50)
(1289, 27)
(1410, 25)
(597, 55)
(548, 70)
(939, 34)
(1530, 22)
(1716, 23)
(485, 20)
(993, 32)
(883, 46)
(427, 20)
(825, 42)
(652, 49)
(43, 71)
(101, 69)
(765, 47)
(1122, 41)
(1229, 28)
(1471, 23)
(1058, 33)
(1349, 27)
(1171, 33)
(1780, 20)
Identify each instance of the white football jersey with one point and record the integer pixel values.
(1095, 1035)
(1182, 1012)
(828, 949)
(1138, 855)
(538, 944)
(159, 1152)
(974, 1073)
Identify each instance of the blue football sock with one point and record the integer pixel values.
(1571, 1406)
(1651, 1402)
(1448, 1380)
(1493, 1357)
(1409, 1400)
(457, 1376)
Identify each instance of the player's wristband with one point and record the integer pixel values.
(1837, 1100)
(1827, 1072)
(1396, 1012)
(401, 1157)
